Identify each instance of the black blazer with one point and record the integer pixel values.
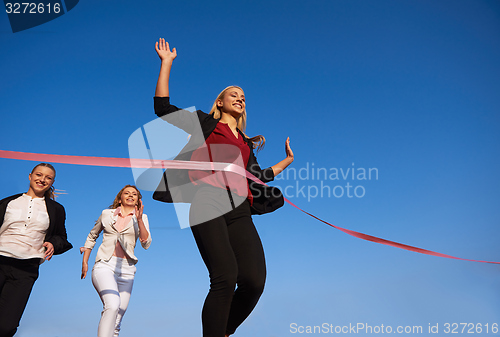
(56, 233)
(265, 198)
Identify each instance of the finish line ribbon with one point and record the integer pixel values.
(205, 166)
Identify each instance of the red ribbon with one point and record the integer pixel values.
(193, 165)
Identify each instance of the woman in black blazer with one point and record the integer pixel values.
(221, 202)
(31, 231)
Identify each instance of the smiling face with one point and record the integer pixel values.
(129, 197)
(41, 179)
(233, 102)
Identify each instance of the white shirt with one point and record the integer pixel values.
(24, 227)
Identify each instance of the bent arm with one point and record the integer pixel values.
(89, 244)
(58, 237)
(144, 233)
(93, 235)
(142, 222)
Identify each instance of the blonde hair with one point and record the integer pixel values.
(258, 141)
(50, 193)
(118, 197)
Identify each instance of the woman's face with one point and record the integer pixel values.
(41, 179)
(129, 197)
(233, 102)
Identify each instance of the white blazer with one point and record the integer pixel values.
(127, 237)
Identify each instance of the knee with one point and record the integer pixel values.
(224, 282)
(112, 306)
(253, 284)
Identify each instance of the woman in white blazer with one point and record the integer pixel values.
(114, 269)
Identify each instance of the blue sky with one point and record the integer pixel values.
(409, 88)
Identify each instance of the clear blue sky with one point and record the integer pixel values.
(407, 88)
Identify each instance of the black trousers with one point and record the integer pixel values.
(16, 281)
(232, 251)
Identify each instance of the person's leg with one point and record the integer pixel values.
(125, 285)
(104, 281)
(249, 254)
(17, 278)
(215, 248)
(209, 228)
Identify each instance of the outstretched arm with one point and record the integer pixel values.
(278, 168)
(167, 56)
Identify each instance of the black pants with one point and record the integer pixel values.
(232, 251)
(16, 281)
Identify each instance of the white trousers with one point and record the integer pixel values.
(113, 281)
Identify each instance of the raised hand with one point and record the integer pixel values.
(164, 52)
(278, 168)
(139, 210)
(288, 149)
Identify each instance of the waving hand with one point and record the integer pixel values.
(164, 52)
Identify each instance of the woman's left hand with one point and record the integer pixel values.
(278, 168)
(139, 210)
(288, 149)
(143, 232)
(49, 250)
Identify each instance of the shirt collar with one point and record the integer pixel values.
(118, 211)
(34, 199)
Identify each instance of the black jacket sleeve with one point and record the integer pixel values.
(183, 119)
(266, 199)
(56, 234)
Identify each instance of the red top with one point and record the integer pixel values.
(224, 147)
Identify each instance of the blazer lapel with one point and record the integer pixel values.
(112, 220)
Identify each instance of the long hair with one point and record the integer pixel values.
(118, 197)
(258, 141)
(50, 193)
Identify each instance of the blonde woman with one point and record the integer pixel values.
(222, 203)
(114, 269)
(31, 231)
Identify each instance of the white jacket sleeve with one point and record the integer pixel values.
(146, 243)
(94, 234)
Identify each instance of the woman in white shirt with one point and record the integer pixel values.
(32, 229)
(114, 269)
